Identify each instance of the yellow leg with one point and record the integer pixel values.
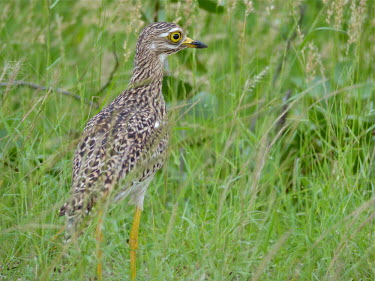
(54, 237)
(133, 243)
(99, 239)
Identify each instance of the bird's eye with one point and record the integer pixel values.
(175, 36)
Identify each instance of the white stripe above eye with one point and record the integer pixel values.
(165, 34)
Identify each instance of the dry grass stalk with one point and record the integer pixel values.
(355, 23)
(249, 7)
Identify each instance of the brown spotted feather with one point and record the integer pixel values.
(125, 144)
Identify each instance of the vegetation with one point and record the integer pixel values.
(270, 174)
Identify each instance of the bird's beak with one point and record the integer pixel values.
(190, 43)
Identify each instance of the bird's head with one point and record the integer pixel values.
(164, 38)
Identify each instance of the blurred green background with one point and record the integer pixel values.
(270, 174)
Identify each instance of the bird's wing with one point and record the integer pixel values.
(113, 145)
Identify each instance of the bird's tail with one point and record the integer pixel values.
(77, 215)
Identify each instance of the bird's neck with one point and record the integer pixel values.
(148, 74)
(148, 69)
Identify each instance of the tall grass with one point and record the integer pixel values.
(270, 174)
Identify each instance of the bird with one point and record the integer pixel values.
(125, 144)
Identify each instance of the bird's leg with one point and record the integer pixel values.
(133, 243)
(54, 237)
(99, 239)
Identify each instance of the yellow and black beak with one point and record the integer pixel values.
(190, 43)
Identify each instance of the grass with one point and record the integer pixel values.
(248, 192)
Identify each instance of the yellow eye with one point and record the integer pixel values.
(175, 36)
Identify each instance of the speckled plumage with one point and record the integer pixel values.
(125, 144)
